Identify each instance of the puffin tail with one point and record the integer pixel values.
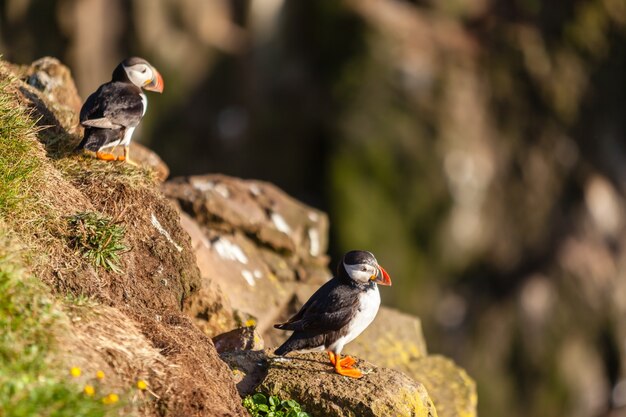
(283, 349)
(300, 341)
(295, 342)
(83, 142)
(95, 138)
(282, 326)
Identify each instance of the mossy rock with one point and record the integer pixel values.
(311, 381)
(453, 391)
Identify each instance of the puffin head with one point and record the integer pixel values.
(139, 72)
(362, 267)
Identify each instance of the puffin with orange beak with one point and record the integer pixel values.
(111, 114)
(338, 311)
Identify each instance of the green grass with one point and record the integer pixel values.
(18, 167)
(261, 405)
(98, 238)
(31, 383)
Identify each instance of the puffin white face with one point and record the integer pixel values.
(142, 74)
(362, 273)
(139, 74)
(362, 267)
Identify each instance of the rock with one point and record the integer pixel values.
(49, 91)
(450, 387)
(252, 241)
(234, 264)
(209, 307)
(210, 310)
(310, 380)
(394, 339)
(55, 81)
(256, 208)
(242, 338)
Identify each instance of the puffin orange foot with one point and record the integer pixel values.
(349, 372)
(345, 363)
(344, 366)
(105, 156)
(121, 158)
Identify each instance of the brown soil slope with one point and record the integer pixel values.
(134, 325)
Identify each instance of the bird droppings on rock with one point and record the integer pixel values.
(249, 277)
(229, 250)
(222, 190)
(203, 185)
(280, 223)
(165, 233)
(314, 238)
(255, 189)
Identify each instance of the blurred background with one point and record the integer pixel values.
(478, 147)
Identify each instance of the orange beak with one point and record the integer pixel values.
(156, 84)
(383, 277)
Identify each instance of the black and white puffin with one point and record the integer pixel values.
(338, 311)
(111, 114)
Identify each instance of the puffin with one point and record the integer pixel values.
(111, 114)
(338, 311)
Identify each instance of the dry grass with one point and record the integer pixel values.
(104, 339)
(28, 204)
(82, 170)
(32, 379)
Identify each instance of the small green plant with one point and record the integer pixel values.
(98, 238)
(261, 405)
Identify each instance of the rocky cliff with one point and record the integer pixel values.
(149, 277)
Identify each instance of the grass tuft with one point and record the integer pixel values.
(17, 164)
(98, 238)
(30, 383)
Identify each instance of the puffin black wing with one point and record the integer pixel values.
(114, 105)
(330, 308)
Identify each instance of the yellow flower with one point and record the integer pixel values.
(100, 374)
(89, 390)
(250, 322)
(111, 399)
(142, 385)
(75, 371)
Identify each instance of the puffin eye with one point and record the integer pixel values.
(143, 71)
(363, 268)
